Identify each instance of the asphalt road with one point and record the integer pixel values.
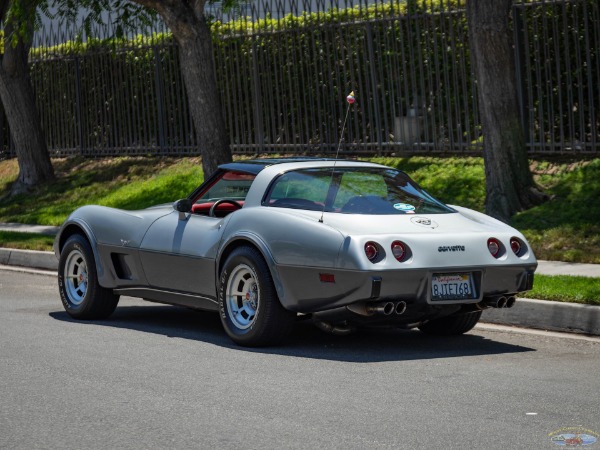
(163, 377)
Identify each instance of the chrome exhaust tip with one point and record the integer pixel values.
(381, 308)
(510, 301)
(502, 302)
(388, 308)
(400, 308)
(495, 302)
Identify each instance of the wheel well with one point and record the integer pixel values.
(231, 247)
(69, 231)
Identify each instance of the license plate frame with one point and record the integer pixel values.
(455, 286)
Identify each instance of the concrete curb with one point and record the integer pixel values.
(28, 258)
(547, 315)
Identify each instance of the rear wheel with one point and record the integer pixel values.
(81, 294)
(248, 304)
(451, 325)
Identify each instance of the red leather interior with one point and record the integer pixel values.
(203, 208)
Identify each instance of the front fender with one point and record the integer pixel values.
(76, 225)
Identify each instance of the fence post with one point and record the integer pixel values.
(78, 106)
(2, 125)
(160, 100)
(373, 76)
(520, 67)
(258, 122)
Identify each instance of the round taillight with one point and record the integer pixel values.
(398, 250)
(371, 251)
(494, 247)
(516, 246)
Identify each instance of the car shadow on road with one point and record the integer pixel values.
(305, 341)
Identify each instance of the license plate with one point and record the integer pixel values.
(452, 286)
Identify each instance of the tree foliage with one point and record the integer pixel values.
(187, 21)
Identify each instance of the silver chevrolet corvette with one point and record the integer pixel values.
(264, 242)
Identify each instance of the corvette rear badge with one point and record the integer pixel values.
(424, 222)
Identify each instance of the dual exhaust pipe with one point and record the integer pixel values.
(499, 301)
(387, 308)
(399, 308)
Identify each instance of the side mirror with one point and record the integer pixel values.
(183, 206)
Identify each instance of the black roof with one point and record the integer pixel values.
(256, 165)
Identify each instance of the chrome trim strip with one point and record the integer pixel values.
(171, 297)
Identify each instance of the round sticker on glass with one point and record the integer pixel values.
(404, 207)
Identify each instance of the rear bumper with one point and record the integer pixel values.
(301, 289)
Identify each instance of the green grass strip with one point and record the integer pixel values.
(563, 288)
(26, 241)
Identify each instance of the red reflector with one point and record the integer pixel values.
(515, 245)
(327, 278)
(494, 247)
(398, 250)
(371, 251)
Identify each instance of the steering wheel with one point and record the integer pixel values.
(213, 208)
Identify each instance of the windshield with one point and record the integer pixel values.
(362, 190)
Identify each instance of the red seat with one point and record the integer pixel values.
(222, 210)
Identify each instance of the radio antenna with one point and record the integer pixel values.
(350, 100)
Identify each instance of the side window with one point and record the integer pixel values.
(305, 189)
(358, 183)
(232, 185)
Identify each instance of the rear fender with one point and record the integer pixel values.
(248, 238)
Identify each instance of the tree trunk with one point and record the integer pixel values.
(198, 67)
(192, 33)
(16, 93)
(509, 184)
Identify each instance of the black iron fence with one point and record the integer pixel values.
(558, 64)
(285, 68)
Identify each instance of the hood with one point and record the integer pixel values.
(114, 226)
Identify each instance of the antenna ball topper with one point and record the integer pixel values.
(350, 99)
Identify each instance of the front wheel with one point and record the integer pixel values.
(248, 304)
(451, 325)
(81, 294)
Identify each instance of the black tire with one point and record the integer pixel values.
(81, 294)
(451, 325)
(248, 304)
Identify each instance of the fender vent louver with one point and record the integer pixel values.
(121, 267)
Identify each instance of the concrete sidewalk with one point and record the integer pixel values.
(539, 314)
(40, 229)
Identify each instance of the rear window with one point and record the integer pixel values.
(352, 191)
